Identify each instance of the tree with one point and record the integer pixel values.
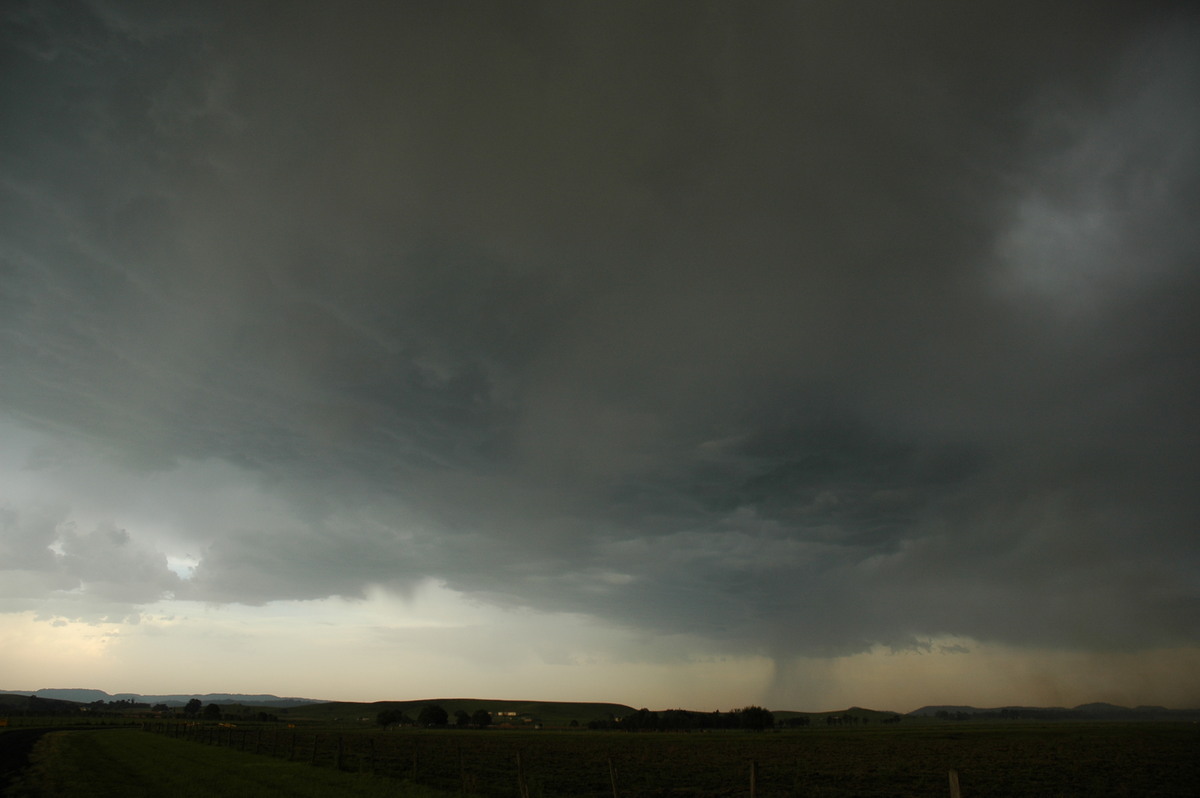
(393, 717)
(433, 715)
(756, 718)
(481, 718)
(212, 712)
(461, 718)
(642, 720)
(192, 707)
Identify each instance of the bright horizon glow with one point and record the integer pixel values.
(432, 646)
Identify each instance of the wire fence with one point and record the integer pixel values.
(505, 765)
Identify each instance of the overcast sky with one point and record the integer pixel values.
(675, 354)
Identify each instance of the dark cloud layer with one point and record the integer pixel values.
(802, 327)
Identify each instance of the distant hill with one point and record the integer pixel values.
(952, 709)
(561, 713)
(518, 713)
(1093, 711)
(532, 713)
(868, 715)
(22, 703)
(80, 696)
(88, 696)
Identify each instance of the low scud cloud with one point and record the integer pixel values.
(716, 354)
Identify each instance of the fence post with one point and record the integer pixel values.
(955, 792)
(612, 777)
(337, 756)
(316, 739)
(753, 779)
(522, 789)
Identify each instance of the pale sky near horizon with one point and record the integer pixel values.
(699, 354)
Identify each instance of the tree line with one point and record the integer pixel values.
(52, 707)
(752, 717)
(195, 709)
(434, 716)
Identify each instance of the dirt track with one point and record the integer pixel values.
(15, 746)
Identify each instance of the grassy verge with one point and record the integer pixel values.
(130, 763)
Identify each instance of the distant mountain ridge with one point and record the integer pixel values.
(89, 696)
(1093, 711)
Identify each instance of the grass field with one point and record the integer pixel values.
(998, 760)
(131, 763)
(992, 759)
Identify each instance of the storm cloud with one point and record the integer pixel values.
(799, 328)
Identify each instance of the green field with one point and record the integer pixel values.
(996, 759)
(130, 762)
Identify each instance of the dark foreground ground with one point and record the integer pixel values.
(14, 752)
(998, 760)
(15, 747)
